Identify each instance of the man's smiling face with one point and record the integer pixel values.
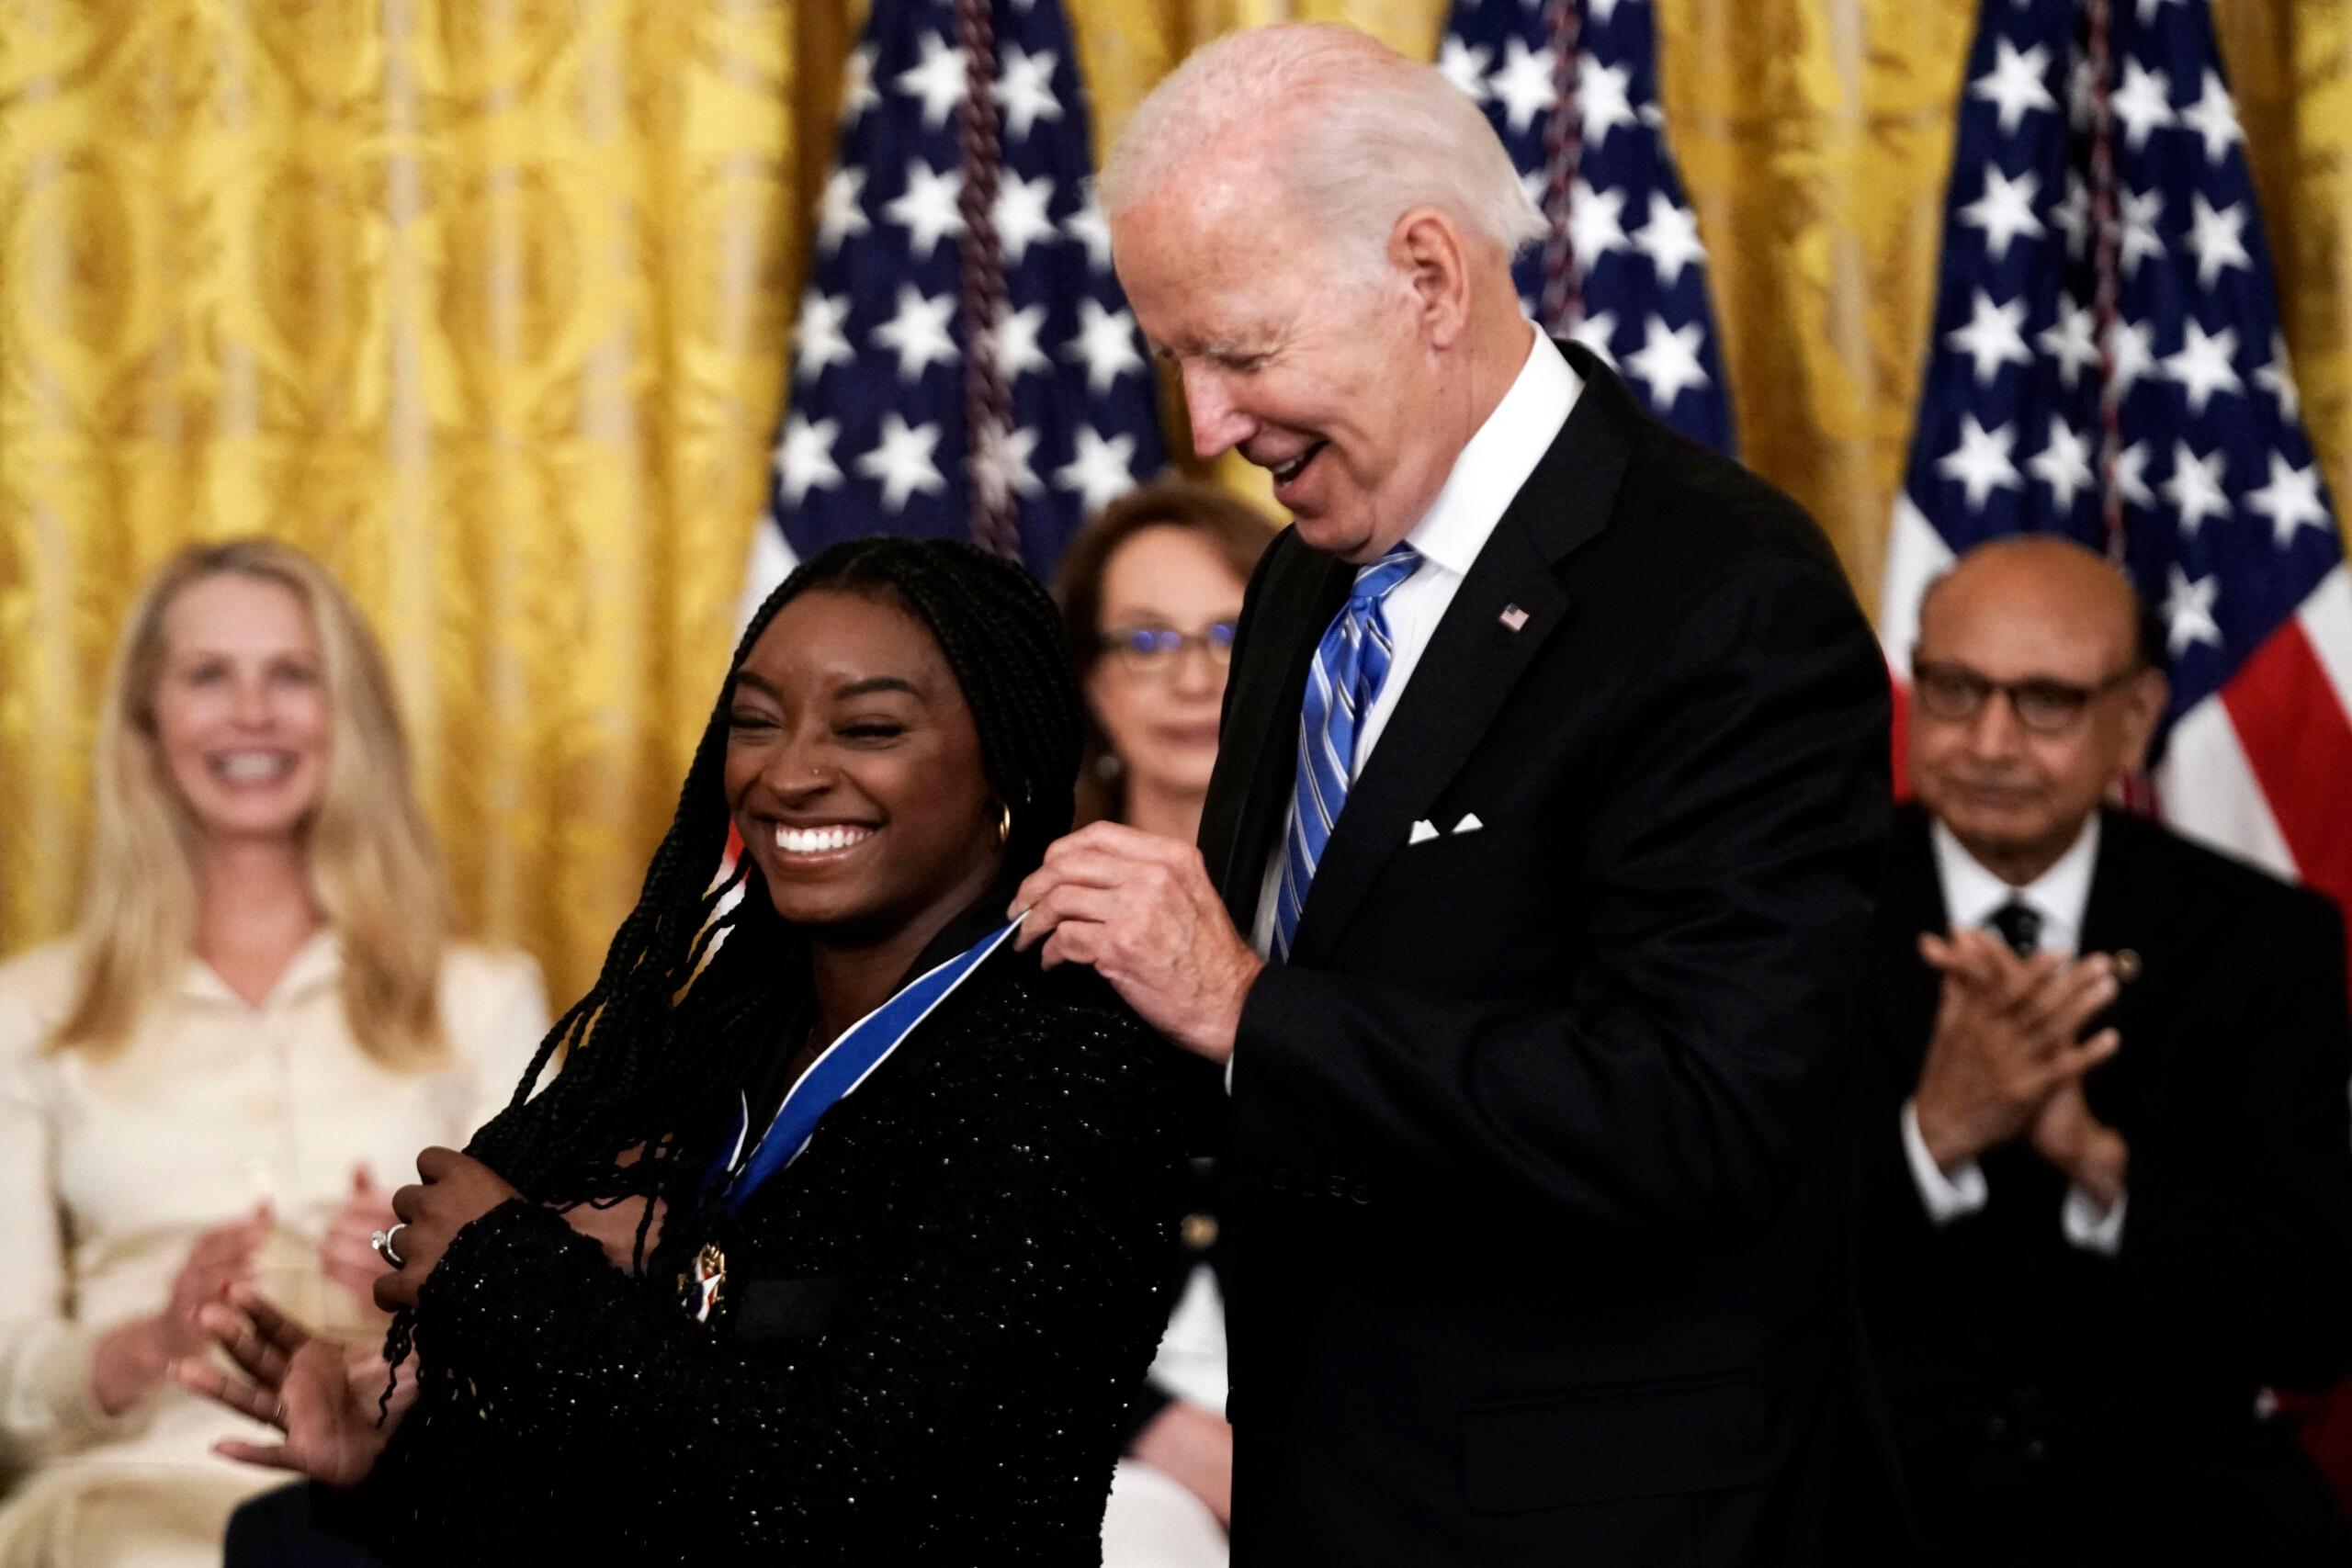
(1313, 371)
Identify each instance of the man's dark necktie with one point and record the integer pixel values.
(2019, 926)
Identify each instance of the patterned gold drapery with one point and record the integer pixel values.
(485, 303)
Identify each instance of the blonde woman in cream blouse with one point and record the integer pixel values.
(221, 1078)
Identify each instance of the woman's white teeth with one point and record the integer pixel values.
(252, 767)
(1286, 472)
(816, 841)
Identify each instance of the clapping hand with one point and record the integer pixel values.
(222, 1259)
(346, 1254)
(323, 1395)
(130, 1360)
(2092, 1154)
(2007, 1042)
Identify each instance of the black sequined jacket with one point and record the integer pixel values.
(933, 1320)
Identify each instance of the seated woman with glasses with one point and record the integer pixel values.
(840, 1237)
(1150, 592)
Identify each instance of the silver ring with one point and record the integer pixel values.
(385, 1248)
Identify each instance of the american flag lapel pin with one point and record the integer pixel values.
(1514, 618)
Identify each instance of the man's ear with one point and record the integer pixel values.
(1428, 248)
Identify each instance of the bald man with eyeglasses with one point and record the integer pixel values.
(2106, 1170)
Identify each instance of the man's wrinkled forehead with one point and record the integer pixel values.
(2038, 592)
(1217, 277)
(1233, 189)
(1233, 167)
(2020, 638)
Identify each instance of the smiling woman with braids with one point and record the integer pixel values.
(639, 1334)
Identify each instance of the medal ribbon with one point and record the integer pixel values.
(846, 1063)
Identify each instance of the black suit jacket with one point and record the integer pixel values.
(1542, 1218)
(2052, 1401)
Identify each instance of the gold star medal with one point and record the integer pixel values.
(700, 1286)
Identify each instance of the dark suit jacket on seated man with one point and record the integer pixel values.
(1560, 829)
(2108, 1193)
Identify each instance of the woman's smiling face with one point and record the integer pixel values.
(241, 714)
(854, 769)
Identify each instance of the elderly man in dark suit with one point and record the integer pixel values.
(1532, 880)
(2109, 1196)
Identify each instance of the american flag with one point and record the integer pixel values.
(2155, 417)
(964, 365)
(1571, 87)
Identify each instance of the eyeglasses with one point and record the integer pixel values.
(1150, 650)
(1954, 693)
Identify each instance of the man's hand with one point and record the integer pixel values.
(458, 1189)
(2005, 1041)
(1139, 909)
(2093, 1155)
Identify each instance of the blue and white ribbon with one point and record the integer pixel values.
(847, 1063)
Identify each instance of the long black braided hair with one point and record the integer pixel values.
(676, 1020)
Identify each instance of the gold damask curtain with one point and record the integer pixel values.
(484, 302)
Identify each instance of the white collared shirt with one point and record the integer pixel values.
(2059, 895)
(1972, 895)
(113, 1164)
(1477, 491)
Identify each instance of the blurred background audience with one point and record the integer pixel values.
(221, 1075)
(2108, 1166)
(1150, 591)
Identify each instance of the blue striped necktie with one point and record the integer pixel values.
(1351, 663)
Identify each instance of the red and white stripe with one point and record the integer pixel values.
(771, 561)
(2264, 767)
(1915, 556)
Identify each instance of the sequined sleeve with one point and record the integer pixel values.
(1006, 1345)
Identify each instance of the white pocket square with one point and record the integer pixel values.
(1422, 833)
(1469, 824)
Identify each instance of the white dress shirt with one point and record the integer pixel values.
(1972, 895)
(1477, 491)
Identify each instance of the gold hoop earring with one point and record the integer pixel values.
(1004, 825)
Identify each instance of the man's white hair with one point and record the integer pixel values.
(1353, 131)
